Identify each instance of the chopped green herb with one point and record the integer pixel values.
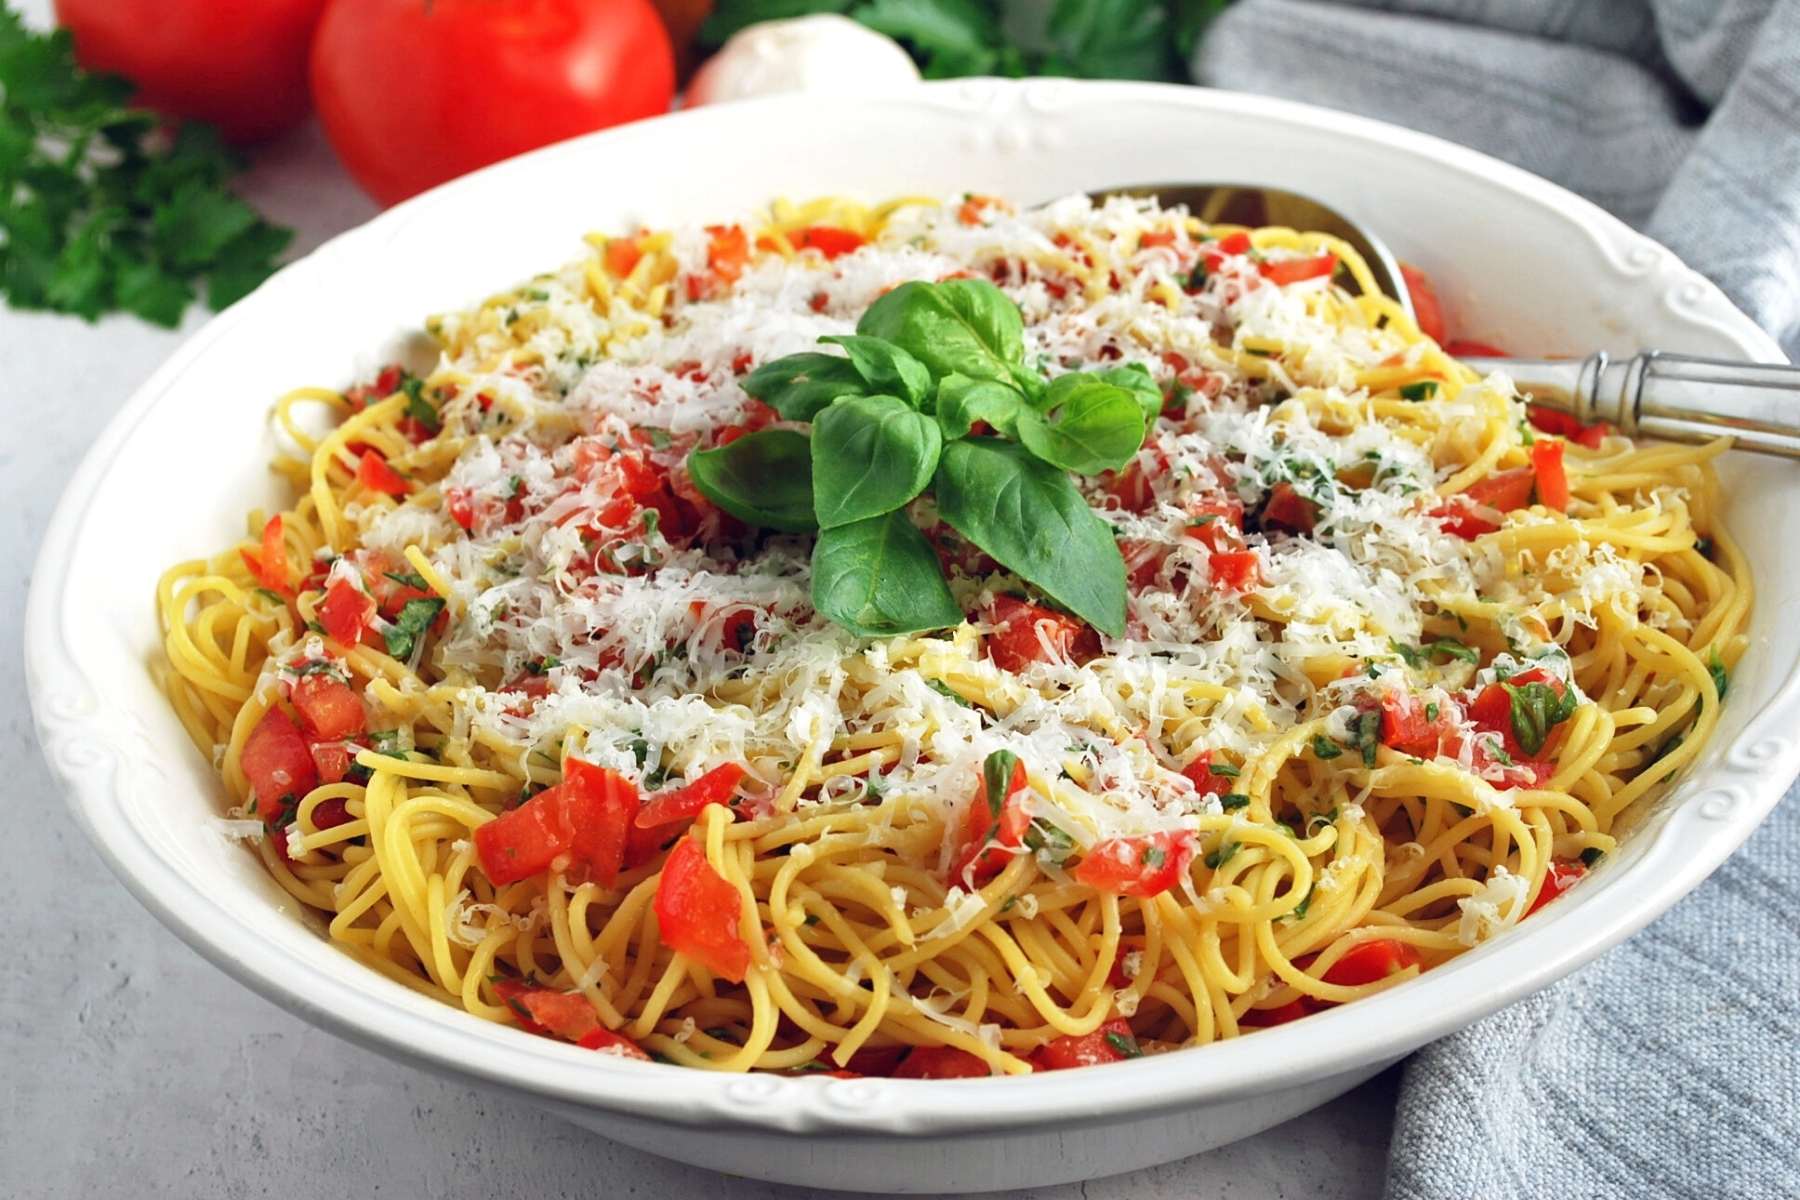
(811, 919)
(1368, 735)
(997, 771)
(1233, 800)
(1424, 389)
(411, 579)
(1126, 1046)
(1299, 912)
(271, 595)
(1592, 855)
(944, 689)
(1324, 748)
(415, 618)
(1223, 770)
(315, 627)
(1721, 678)
(652, 522)
(417, 406)
(1051, 844)
(1537, 708)
(1223, 854)
(1153, 856)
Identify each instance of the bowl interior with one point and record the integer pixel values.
(1517, 261)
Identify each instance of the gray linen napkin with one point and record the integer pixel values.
(1671, 1067)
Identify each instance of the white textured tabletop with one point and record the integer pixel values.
(133, 1067)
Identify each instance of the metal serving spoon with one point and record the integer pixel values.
(1676, 397)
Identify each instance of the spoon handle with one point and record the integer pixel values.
(1676, 397)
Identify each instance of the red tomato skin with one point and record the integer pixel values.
(1505, 491)
(332, 760)
(1086, 1050)
(1464, 348)
(240, 66)
(345, 612)
(1370, 962)
(1266, 1018)
(1235, 570)
(276, 761)
(550, 1013)
(1296, 270)
(1201, 775)
(979, 829)
(332, 710)
(1558, 879)
(1014, 642)
(697, 913)
(1118, 864)
(1406, 727)
(484, 81)
(1288, 509)
(1552, 479)
(831, 242)
(941, 1062)
(684, 803)
(1426, 306)
(374, 473)
(597, 808)
(1564, 425)
(519, 844)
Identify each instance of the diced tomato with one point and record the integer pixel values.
(1216, 524)
(1235, 570)
(1205, 780)
(1287, 509)
(1426, 307)
(1560, 877)
(831, 242)
(1461, 517)
(684, 803)
(1504, 491)
(1295, 270)
(1137, 866)
(1266, 1018)
(1465, 348)
(461, 507)
(1552, 479)
(1565, 425)
(1371, 961)
(1112, 1042)
(727, 253)
(374, 473)
(525, 841)
(565, 1015)
(879, 1061)
(333, 760)
(622, 255)
(1410, 727)
(270, 565)
(697, 912)
(277, 763)
(1232, 244)
(1491, 712)
(1026, 633)
(941, 1062)
(970, 214)
(1131, 487)
(331, 709)
(597, 807)
(986, 837)
(346, 611)
(331, 812)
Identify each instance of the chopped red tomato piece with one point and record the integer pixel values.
(1207, 781)
(565, 1015)
(1559, 878)
(992, 827)
(1026, 633)
(270, 565)
(277, 763)
(331, 708)
(374, 473)
(1565, 425)
(684, 803)
(1410, 726)
(1235, 570)
(1288, 509)
(1552, 479)
(1266, 1018)
(1464, 348)
(1504, 491)
(727, 253)
(1137, 866)
(331, 812)
(519, 844)
(597, 808)
(697, 912)
(1426, 307)
(622, 255)
(941, 1062)
(1492, 712)
(1216, 524)
(333, 761)
(972, 208)
(461, 507)
(346, 611)
(1112, 1042)
(1370, 962)
(1295, 270)
(830, 241)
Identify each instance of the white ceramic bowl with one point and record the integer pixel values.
(1518, 261)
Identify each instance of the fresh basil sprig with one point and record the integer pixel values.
(895, 417)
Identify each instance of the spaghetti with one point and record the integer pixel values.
(539, 731)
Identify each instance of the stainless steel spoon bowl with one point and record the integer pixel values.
(1677, 397)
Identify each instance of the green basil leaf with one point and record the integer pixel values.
(1136, 379)
(1029, 517)
(996, 779)
(871, 454)
(1084, 425)
(764, 478)
(962, 401)
(886, 368)
(880, 578)
(959, 327)
(414, 619)
(800, 385)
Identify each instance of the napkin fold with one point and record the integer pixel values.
(1671, 1066)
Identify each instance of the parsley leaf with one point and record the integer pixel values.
(415, 618)
(101, 209)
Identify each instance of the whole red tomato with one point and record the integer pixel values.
(239, 64)
(415, 92)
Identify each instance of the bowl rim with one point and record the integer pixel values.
(1381, 1028)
